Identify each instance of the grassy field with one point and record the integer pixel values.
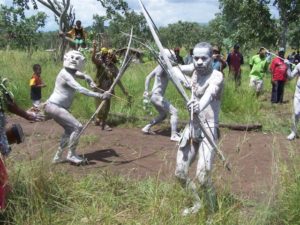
(44, 195)
(238, 106)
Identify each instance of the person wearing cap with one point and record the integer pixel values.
(179, 58)
(259, 66)
(218, 62)
(234, 61)
(278, 69)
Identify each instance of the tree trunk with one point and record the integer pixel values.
(284, 25)
(284, 30)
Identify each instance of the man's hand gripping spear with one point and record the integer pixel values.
(170, 71)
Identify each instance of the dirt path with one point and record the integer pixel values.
(253, 155)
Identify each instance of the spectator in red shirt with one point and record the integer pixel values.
(278, 69)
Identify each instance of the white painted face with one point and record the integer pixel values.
(170, 54)
(74, 60)
(202, 60)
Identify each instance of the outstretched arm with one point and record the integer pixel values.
(94, 59)
(85, 77)
(15, 109)
(71, 82)
(180, 73)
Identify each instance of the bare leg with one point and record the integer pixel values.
(293, 133)
(72, 128)
(185, 156)
(295, 119)
(63, 144)
(157, 101)
(163, 107)
(204, 168)
(173, 121)
(73, 142)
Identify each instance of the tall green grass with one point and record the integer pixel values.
(238, 106)
(45, 194)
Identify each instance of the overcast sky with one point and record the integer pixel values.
(163, 12)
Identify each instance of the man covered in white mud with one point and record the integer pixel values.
(58, 104)
(206, 85)
(157, 98)
(296, 116)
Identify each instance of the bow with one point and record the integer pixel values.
(171, 72)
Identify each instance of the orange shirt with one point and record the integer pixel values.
(35, 80)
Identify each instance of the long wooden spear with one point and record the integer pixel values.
(171, 72)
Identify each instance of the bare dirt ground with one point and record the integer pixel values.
(254, 156)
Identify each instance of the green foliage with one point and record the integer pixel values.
(237, 106)
(218, 34)
(47, 194)
(43, 194)
(294, 35)
(183, 34)
(287, 206)
(114, 7)
(18, 31)
(24, 4)
(248, 23)
(98, 24)
(48, 40)
(124, 23)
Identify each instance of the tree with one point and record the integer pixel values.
(62, 10)
(123, 23)
(218, 33)
(249, 23)
(183, 34)
(114, 7)
(18, 31)
(289, 11)
(294, 35)
(65, 15)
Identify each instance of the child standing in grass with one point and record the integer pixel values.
(36, 85)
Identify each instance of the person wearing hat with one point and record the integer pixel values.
(179, 58)
(278, 69)
(218, 62)
(105, 75)
(259, 66)
(234, 61)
